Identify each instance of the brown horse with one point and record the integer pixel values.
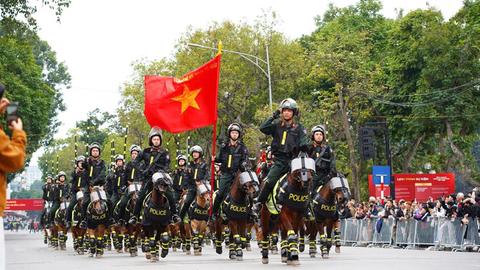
(236, 209)
(157, 216)
(292, 198)
(97, 220)
(59, 227)
(325, 204)
(198, 215)
(132, 231)
(78, 234)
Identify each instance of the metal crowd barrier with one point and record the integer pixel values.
(436, 233)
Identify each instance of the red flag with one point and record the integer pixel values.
(190, 102)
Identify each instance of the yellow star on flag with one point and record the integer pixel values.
(187, 98)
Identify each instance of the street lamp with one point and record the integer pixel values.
(252, 59)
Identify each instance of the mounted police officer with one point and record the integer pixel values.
(132, 174)
(59, 193)
(323, 156)
(78, 183)
(119, 183)
(233, 157)
(198, 173)
(47, 197)
(180, 176)
(154, 159)
(289, 137)
(95, 172)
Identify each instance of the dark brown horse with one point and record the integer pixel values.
(157, 216)
(131, 231)
(59, 226)
(286, 208)
(326, 202)
(236, 210)
(97, 220)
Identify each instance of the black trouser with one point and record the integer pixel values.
(53, 210)
(188, 201)
(226, 181)
(71, 205)
(278, 169)
(115, 198)
(120, 208)
(143, 193)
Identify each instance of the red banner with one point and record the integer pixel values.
(417, 186)
(24, 205)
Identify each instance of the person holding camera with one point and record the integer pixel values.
(79, 183)
(12, 158)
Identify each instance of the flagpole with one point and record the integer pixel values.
(214, 139)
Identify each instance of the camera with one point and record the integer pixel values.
(12, 112)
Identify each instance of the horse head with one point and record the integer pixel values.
(249, 183)
(98, 197)
(161, 181)
(203, 194)
(339, 186)
(301, 171)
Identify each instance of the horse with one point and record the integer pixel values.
(198, 216)
(325, 204)
(235, 212)
(132, 231)
(45, 223)
(78, 234)
(97, 220)
(157, 216)
(292, 194)
(60, 226)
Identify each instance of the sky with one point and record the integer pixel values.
(99, 39)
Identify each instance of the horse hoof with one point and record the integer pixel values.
(337, 249)
(91, 255)
(265, 260)
(119, 251)
(219, 250)
(239, 258)
(274, 252)
(148, 256)
(188, 252)
(312, 255)
(284, 259)
(249, 249)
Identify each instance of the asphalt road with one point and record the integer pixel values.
(27, 251)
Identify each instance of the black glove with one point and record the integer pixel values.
(133, 220)
(276, 114)
(175, 219)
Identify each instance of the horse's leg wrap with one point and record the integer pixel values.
(133, 244)
(226, 236)
(100, 245)
(195, 241)
(284, 250)
(238, 245)
(145, 246)
(323, 244)
(329, 243)
(243, 242)
(301, 244)
(264, 244)
(75, 243)
(292, 245)
(120, 241)
(115, 239)
(80, 243)
(313, 246)
(165, 241)
(152, 243)
(93, 245)
(218, 246)
(274, 242)
(336, 237)
(200, 240)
